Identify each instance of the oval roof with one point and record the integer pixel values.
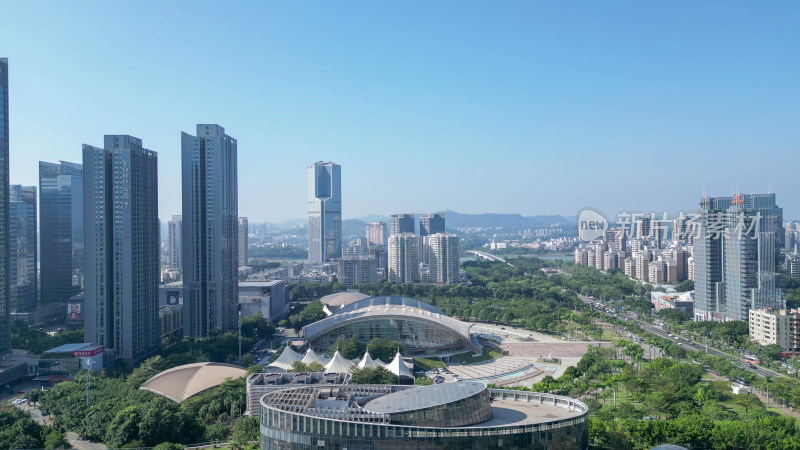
(182, 382)
(424, 397)
(393, 300)
(342, 299)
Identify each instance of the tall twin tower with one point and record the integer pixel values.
(121, 234)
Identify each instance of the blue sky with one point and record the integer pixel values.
(475, 106)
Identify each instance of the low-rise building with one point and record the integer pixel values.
(780, 327)
(673, 300)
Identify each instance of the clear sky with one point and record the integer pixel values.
(477, 106)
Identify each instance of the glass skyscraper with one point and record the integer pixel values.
(22, 248)
(429, 224)
(401, 223)
(324, 212)
(61, 230)
(735, 256)
(5, 306)
(122, 248)
(210, 231)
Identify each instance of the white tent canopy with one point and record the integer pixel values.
(286, 359)
(338, 364)
(399, 368)
(367, 362)
(312, 357)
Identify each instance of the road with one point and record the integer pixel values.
(74, 440)
(689, 344)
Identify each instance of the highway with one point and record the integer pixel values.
(689, 344)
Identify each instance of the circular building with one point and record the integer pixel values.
(465, 414)
(420, 327)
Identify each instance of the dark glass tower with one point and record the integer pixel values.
(324, 212)
(5, 306)
(122, 254)
(61, 230)
(22, 248)
(210, 231)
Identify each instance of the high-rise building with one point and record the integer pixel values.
(401, 223)
(381, 255)
(5, 306)
(445, 264)
(324, 212)
(210, 231)
(376, 233)
(122, 248)
(60, 231)
(22, 248)
(354, 270)
(404, 258)
(243, 235)
(175, 242)
(429, 224)
(735, 256)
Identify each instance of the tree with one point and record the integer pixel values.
(684, 286)
(55, 439)
(246, 430)
(423, 381)
(350, 348)
(384, 348)
(367, 375)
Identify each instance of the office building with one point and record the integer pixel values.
(779, 327)
(5, 305)
(353, 270)
(175, 242)
(324, 212)
(376, 233)
(210, 231)
(122, 248)
(61, 231)
(381, 255)
(243, 236)
(401, 223)
(429, 224)
(22, 248)
(403, 258)
(445, 264)
(735, 256)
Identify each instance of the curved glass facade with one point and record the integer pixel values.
(327, 418)
(417, 336)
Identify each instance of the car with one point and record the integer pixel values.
(19, 401)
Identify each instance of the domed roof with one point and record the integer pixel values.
(342, 299)
(182, 382)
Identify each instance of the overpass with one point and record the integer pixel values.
(487, 256)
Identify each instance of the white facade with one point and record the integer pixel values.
(404, 258)
(444, 258)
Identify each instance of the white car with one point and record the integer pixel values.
(19, 401)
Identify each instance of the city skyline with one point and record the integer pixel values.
(464, 93)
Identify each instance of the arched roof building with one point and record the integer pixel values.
(182, 382)
(421, 328)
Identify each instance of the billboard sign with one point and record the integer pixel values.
(88, 353)
(74, 311)
(173, 297)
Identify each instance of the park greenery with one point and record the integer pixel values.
(34, 339)
(19, 430)
(120, 415)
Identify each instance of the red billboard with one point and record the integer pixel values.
(88, 353)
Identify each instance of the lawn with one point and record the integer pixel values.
(470, 358)
(428, 364)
